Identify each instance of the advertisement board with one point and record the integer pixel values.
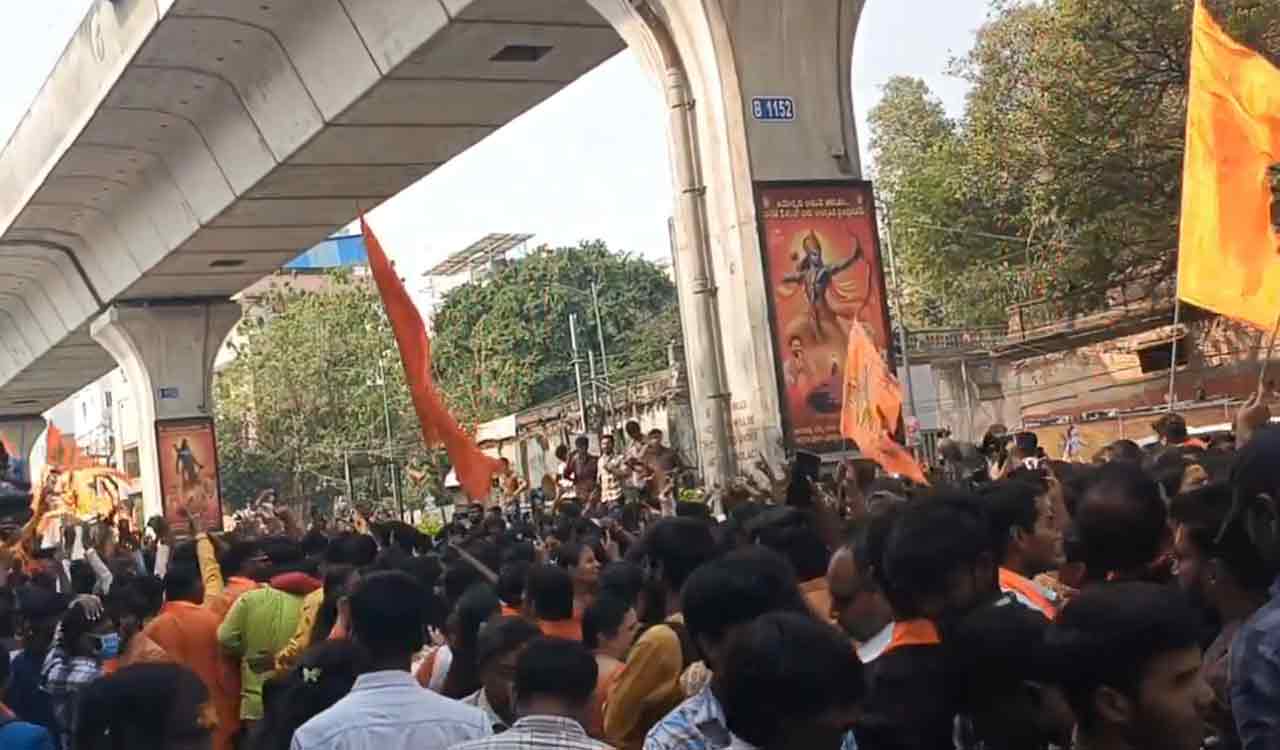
(187, 452)
(823, 275)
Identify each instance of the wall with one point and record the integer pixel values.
(1222, 361)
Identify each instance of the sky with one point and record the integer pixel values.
(589, 163)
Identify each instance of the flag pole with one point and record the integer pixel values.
(1173, 349)
(1271, 347)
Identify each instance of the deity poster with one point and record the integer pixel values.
(188, 457)
(823, 275)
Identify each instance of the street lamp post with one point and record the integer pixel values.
(577, 369)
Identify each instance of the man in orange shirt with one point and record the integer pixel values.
(550, 594)
(188, 632)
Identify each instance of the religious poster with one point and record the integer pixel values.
(188, 457)
(824, 274)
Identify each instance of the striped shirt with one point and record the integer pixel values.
(538, 733)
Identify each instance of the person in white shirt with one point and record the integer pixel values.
(387, 709)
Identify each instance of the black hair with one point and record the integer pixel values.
(75, 624)
(501, 637)
(679, 545)
(581, 441)
(143, 705)
(622, 580)
(1257, 491)
(151, 591)
(550, 592)
(692, 509)
(1171, 427)
(786, 667)
(486, 552)
(1010, 505)
(1167, 466)
(1125, 451)
(603, 618)
(869, 538)
(350, 548)
(234, 558)
(558, 668)
(932, 538)
(324, 674)
(792, 534)
(568, 554)
(181, 582)
(386, 615)
(473, 610)
(562, 451)
(994, 648)
(314, 543)
(425, 569)
(459, 577)
(337, 579)
(1026, 442)
(511, 582)
(522, 551)
(1108, 635)
(1120, 520)
(736, 589)
(1205, 516)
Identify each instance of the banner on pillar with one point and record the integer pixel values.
(187, 453)
(823, 275)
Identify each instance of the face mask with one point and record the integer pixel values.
(108, 645)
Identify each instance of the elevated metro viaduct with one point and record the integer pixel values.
(182, 149)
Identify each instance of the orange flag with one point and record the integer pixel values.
(1228, 258)
(873, 406)
(475, 470)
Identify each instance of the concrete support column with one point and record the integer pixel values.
(20, 433)
(711, 58)
(166, 350)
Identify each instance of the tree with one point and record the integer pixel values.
(1072, 138)
(306, 391)
(502, 344)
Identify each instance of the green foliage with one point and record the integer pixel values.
(305, 392)
(1072, 137)
(503, 345)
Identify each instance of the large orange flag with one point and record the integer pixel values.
(1228, 258)
(873, 406)
(475, 470)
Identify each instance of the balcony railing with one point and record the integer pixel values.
(1085, 310)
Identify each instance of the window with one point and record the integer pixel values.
(131, 465)
(1156, 358)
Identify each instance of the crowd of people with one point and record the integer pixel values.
(1127, 603)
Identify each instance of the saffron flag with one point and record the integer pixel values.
(873, 406)
(475, 470)
(1228, 259)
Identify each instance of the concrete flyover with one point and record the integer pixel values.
(182, 149)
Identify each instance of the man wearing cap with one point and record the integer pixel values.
(38, 612)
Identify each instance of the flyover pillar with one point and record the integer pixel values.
(759, 95)
(20, 433)
(167, 350)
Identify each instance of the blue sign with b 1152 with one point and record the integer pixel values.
(773, 108)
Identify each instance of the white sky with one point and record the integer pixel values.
(588, 163)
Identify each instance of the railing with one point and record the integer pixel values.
(945, 340)
(1089, 307)
(1083, 310)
